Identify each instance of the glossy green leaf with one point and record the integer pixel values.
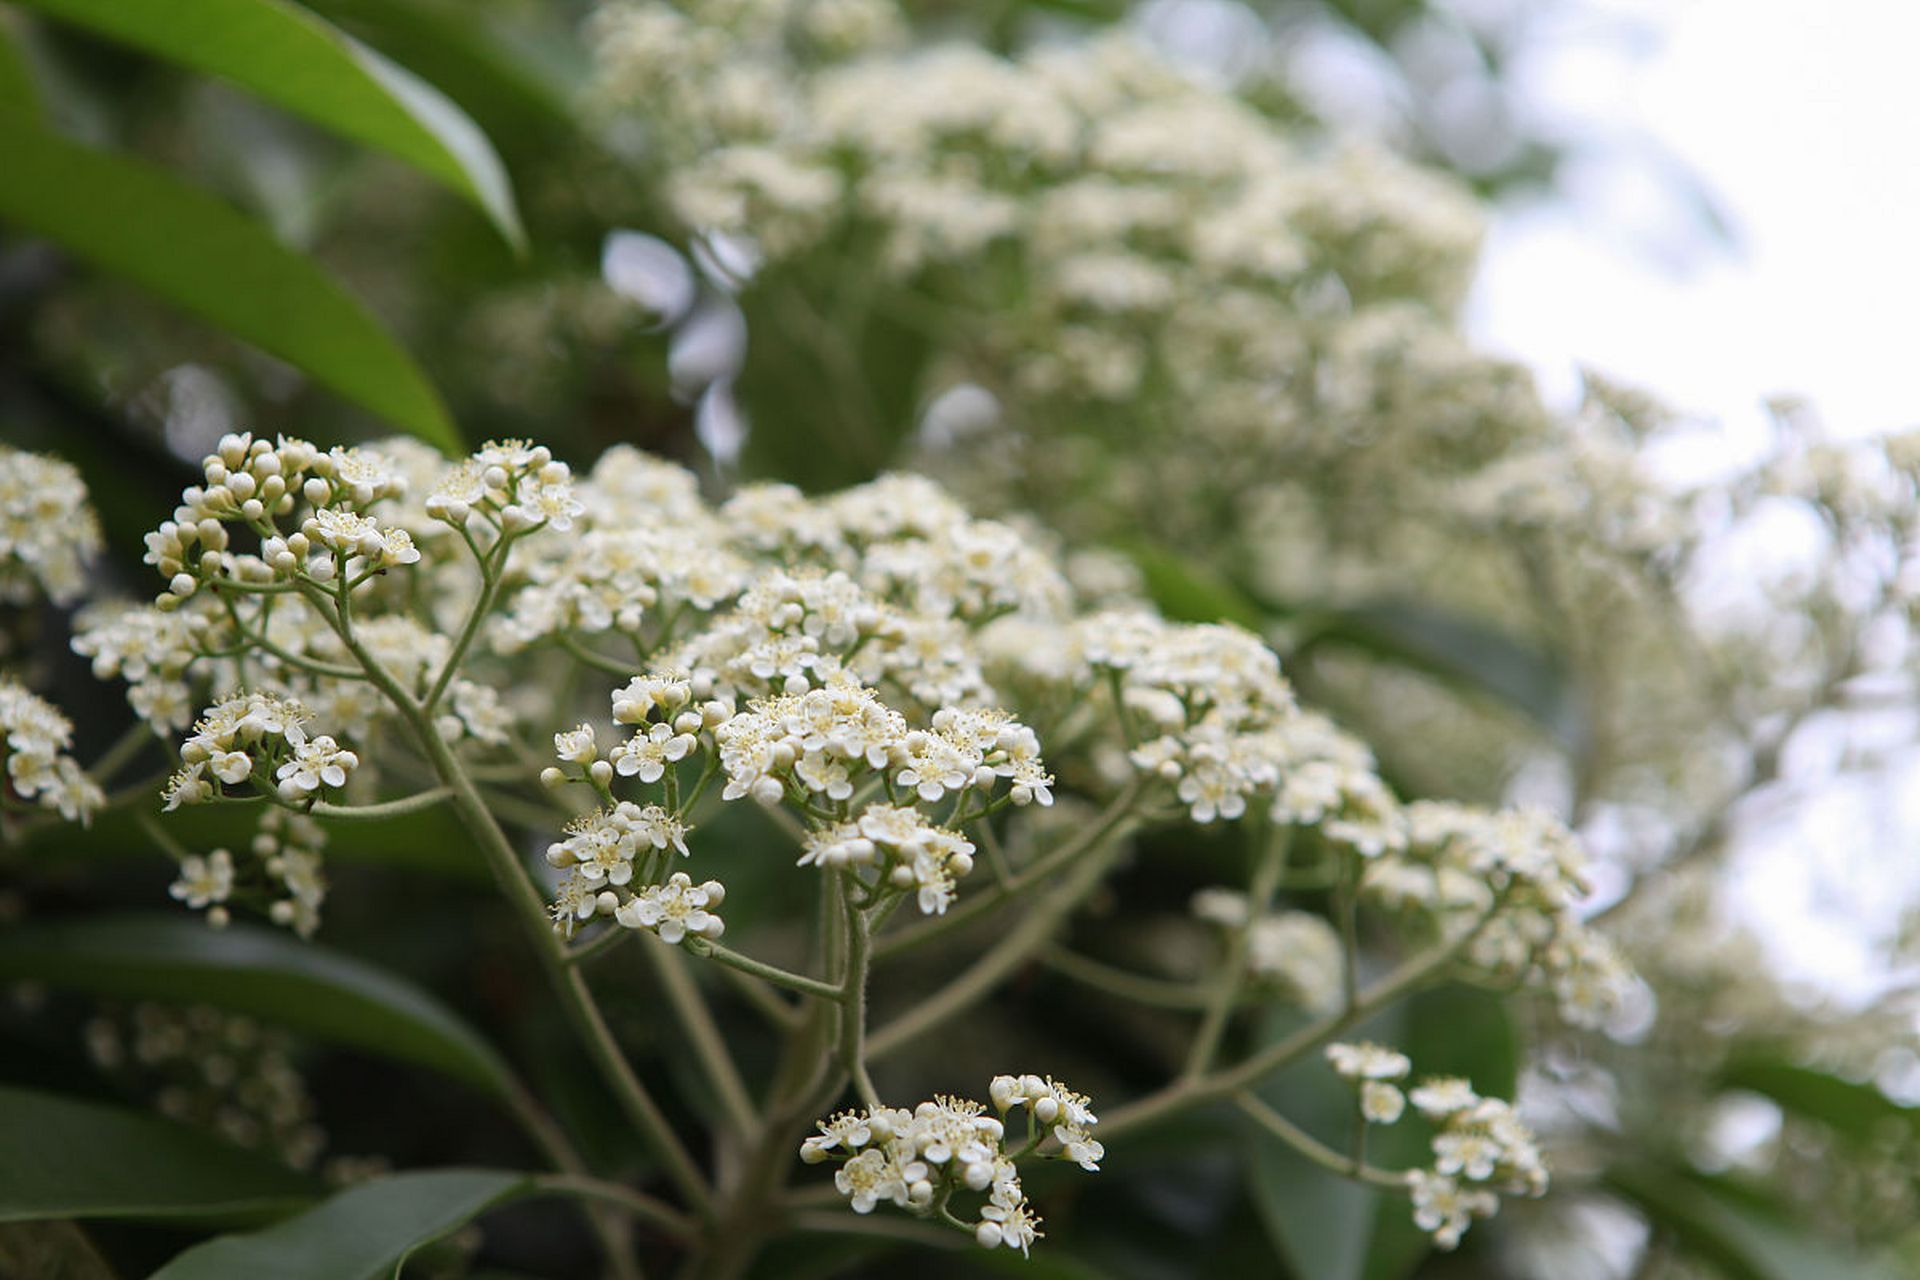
(364, 1233)
(200, 254)
(1748, 1239)
(520, 105)
(262, 972)
(1856, 1110)
(290, 56)
(64, 1158)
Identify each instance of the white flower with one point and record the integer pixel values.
(576, 746)
(675, 909)
(1381, 1103)
(1438, 1097)
(316, 763)
(1368, 1062)
(1442, 1206)
(204, 881)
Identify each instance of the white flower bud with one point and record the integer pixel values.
(273, 488)
(601, 771)
(253, 509)
(551, 777)
(183, 585)
(240, 484)
(988, 1235)
(517, 519)
(768, 791)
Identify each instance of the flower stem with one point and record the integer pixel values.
(1315, 1150)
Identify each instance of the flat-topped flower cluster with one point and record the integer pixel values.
(877, 666)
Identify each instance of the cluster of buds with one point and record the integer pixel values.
(258, 483)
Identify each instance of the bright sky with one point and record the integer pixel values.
(1803, 122)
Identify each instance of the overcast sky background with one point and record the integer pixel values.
(1803, 123)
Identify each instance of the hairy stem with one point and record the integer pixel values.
(709, 1046)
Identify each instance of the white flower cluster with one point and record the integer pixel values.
(1480, 1147)
(1295, 955)
(151, 649)
(36, 738)
(910, 852)
(48, 531)
(1217, 720)
(286, 874)
(822, 741)
(1526, 868)
(606, 850)
(262, 738)
(919, 1159)
(258, 482)
(513, 486)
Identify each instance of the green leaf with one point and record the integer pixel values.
(17, 89)
(200, 254)
(363, 1233)
(1187, 591)
(522, 110)
(262, 972)
(1462, 651)
(1852, 1109)
(292, 57)
(1728, 1225)
(63, 1158)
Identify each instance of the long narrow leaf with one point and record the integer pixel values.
(364, 1233)
(291, 56)
(200, 254)
(270, 975)
(63, 1158)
